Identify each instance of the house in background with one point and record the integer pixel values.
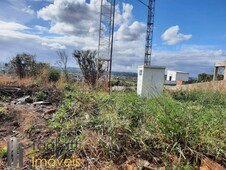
(176, 77)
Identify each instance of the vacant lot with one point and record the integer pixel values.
(174, 131)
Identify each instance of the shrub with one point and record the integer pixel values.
(54, 75)
(40, 96)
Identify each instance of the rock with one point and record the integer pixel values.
(41, 103)
(118, 88)
(207, 164)
(24, 100)
(20, 103)
(13, 102)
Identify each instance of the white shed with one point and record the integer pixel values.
(177, 76)
(150, 80)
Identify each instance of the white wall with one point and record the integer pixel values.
(176, 75)
(182, 76)
(171, 74)
(150, 80)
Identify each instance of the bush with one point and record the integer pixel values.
(54, 75)
(40, 96)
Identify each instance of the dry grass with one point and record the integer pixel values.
(10, 80)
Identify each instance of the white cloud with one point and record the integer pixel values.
(28, 10)
(12, 26)
(125, 16)
(41, 28)
(54, 45)
(220, 53)
(172, 36)
(191, 59)
(16, 11)
(130, 32)
(80, 31)
(42, 0)
(67, 18)
(71, 16)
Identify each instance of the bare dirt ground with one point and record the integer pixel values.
(27, 123)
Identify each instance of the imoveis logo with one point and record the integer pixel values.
(52, 162)
(59, 148)
(15, 155)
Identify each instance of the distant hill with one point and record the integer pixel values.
(127, 74)
(115, 73)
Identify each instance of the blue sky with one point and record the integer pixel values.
(189, 35)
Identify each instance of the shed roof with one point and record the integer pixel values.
(179, 71)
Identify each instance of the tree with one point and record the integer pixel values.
(62, 63)
(86, 60)
(23, 65)
(205, 77)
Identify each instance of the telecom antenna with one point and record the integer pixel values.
(150, 79)
(105, 43)
(149, 33)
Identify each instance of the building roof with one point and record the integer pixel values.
(179, 71)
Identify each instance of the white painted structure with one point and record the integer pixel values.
(150, 80)
(177, 76)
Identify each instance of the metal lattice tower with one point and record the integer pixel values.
(105, 43)
(149, 33)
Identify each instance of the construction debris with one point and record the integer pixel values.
(26, 94)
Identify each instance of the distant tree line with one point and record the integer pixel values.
(25, 65)
(208, 77)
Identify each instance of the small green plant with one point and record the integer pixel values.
(54, 75)
(4, 98)
(3, 152)
(40, 96)
(34, 151)
(32, 130)
(2, 111)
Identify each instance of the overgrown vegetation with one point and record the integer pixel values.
(170, 131)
